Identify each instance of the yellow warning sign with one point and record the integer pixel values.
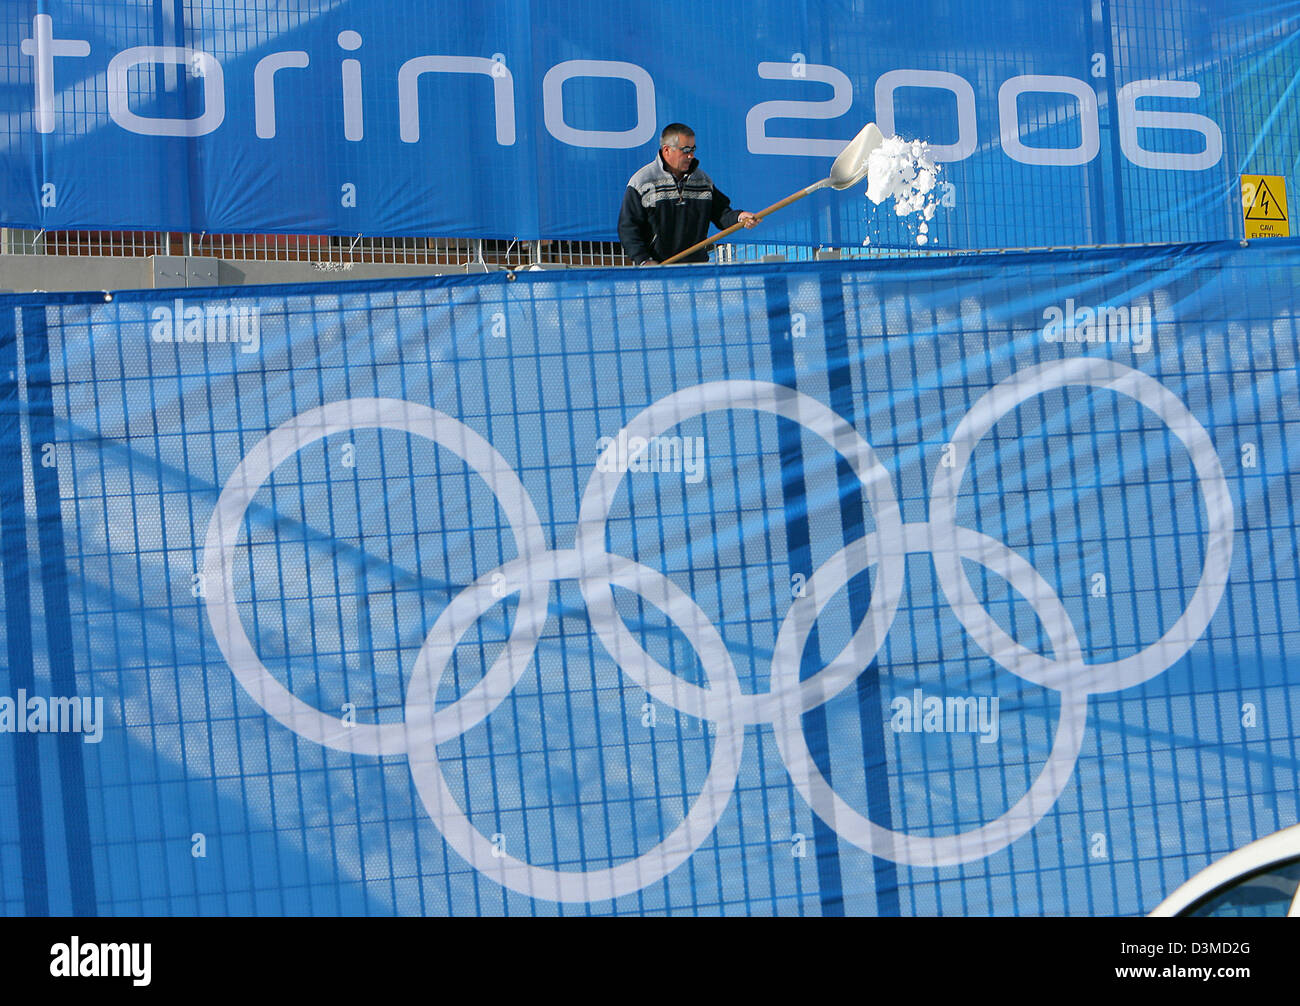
(1263, 201)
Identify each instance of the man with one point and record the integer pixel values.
(668, 204)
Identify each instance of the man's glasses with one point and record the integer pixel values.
(684, 150)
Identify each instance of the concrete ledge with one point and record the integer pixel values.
(50, 273)
(62, 273)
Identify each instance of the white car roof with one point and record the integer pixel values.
(1258, 855)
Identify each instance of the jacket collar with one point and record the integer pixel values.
(695, 163)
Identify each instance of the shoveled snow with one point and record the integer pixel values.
(905, 171)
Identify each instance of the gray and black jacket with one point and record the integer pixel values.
(662, 216)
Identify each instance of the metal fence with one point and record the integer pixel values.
(133, 244)
(390, 250)
(488, 253)
(316, 248)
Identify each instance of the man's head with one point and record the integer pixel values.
(677, 146)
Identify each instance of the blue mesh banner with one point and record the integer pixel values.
(816, 589)
(1084, 122)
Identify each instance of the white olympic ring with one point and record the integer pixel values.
(1118, 674)
(722, 703)
(251, 474)
(454, 823)
(593, 517)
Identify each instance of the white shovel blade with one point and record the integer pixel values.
(850, 166)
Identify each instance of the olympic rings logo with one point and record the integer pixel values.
(723, 703)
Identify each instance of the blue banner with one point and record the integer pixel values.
(1083, 123)
(823, 589)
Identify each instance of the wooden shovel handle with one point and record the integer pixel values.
(735, 227)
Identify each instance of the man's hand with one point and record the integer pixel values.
(749, 220)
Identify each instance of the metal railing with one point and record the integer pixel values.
(464, 252)
(133, 244)
(317, 248)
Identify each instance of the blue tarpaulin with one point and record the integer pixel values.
(1089, 122)
(956, 587)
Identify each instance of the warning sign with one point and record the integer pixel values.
(1263, 201)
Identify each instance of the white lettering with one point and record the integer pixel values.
(353, 124)
(408, 92)
(553, 104)
(841, 99)
(656, 454)
(102, 960)
(923, 713)
(1123, 325)
(43, 47)
(264, 87)
(214, 92)
(235, 323)
(940, 80)
(1009, 119)
(1131, 119)
(60, 714)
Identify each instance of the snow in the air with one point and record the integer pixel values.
(905, 171)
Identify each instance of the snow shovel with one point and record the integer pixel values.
(849, 169)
